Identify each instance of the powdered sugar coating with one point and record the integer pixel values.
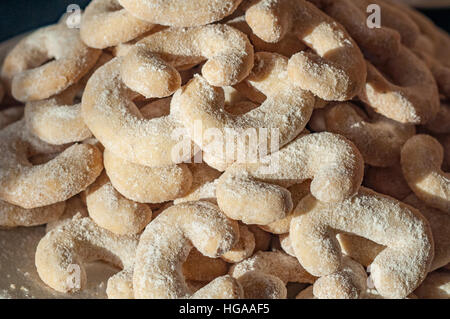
(74, 206)
(112, 211)
(440, 227)
(376, 43)
(76, 243)
(409, 95)
(181, 13)
(105, 23)
(379, 140)
(15, 216)
(243, 249)
(275, 263)
(167, 241)
(397, 270)
(58, 120)
(172, 183)
(421, 160)
(150, 66)
(336, 70)
(145, 184)
(281, 226)
(349, 282)
(203, 187)
(55, 120)
(113, 118)
(365, 251)
(287, 109)
(30, 186)
(30, 78)
(287, 46)
(256, 195)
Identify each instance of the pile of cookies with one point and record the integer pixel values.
(116, 136)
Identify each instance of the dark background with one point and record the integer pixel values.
(18, 16)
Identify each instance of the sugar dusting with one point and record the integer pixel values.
(19, 277)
